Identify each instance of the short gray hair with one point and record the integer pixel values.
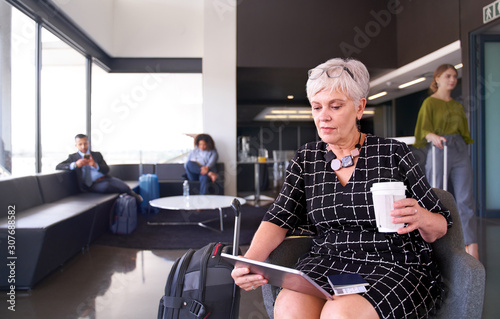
(354, 89)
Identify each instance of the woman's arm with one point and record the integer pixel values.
(265, 240)
(267, 237)
(424, 125)
(213, 156)
(287, 213)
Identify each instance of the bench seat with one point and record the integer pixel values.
(53, 222)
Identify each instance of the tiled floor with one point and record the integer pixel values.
(108, 283)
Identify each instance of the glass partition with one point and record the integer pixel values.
(491, 116)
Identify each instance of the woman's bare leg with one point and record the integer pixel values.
(294, 305)
(349, 306)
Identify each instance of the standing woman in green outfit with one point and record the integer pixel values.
(442, 119)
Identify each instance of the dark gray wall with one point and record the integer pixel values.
(425, 26)
(297, 33)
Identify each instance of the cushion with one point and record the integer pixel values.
(58, 185)
(23, 192)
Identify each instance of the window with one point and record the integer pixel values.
(145, 117)
(23, 77)
(63, 99)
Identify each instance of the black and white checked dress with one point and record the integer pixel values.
(403, 277)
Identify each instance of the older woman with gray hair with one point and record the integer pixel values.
(327, 190)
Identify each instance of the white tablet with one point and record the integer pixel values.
(280, 276)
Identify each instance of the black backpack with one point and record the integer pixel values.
(200, 284)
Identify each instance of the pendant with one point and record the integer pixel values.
(336, 164)
(347, 161)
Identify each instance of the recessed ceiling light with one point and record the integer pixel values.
(268, 116)
(305, 111)
(376, 96)
(459, 66)
(296, 113)
(290, 97)
(300, 116)
(407, 84)
(284, 111)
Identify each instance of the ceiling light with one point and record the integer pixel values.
(407, 84)
(300, 117)
(376, 96)
(296, 113)
(283, 111)
(366, 112)
(290, 97)
(275, 116)
(459, 66)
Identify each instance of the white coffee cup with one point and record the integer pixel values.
(384, 195)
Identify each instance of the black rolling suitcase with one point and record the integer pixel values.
(200, 284)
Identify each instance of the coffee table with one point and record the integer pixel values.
(195, 202)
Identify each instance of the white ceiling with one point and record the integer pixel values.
(141, 28)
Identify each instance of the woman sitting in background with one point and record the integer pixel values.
(201, 162)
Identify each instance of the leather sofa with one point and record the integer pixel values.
(44, 221)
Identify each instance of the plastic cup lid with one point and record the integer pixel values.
(388, 185)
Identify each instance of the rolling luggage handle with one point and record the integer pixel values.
(445, 164)
(236, 243)
(236, 236)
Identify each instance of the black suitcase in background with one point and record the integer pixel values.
(200, 284)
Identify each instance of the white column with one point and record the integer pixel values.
(219, 83)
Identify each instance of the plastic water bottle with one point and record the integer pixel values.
(185, 188)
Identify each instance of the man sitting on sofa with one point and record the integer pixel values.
(92, 171)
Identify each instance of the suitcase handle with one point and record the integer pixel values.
(236, 207)
(445, 163)
(236, 236)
